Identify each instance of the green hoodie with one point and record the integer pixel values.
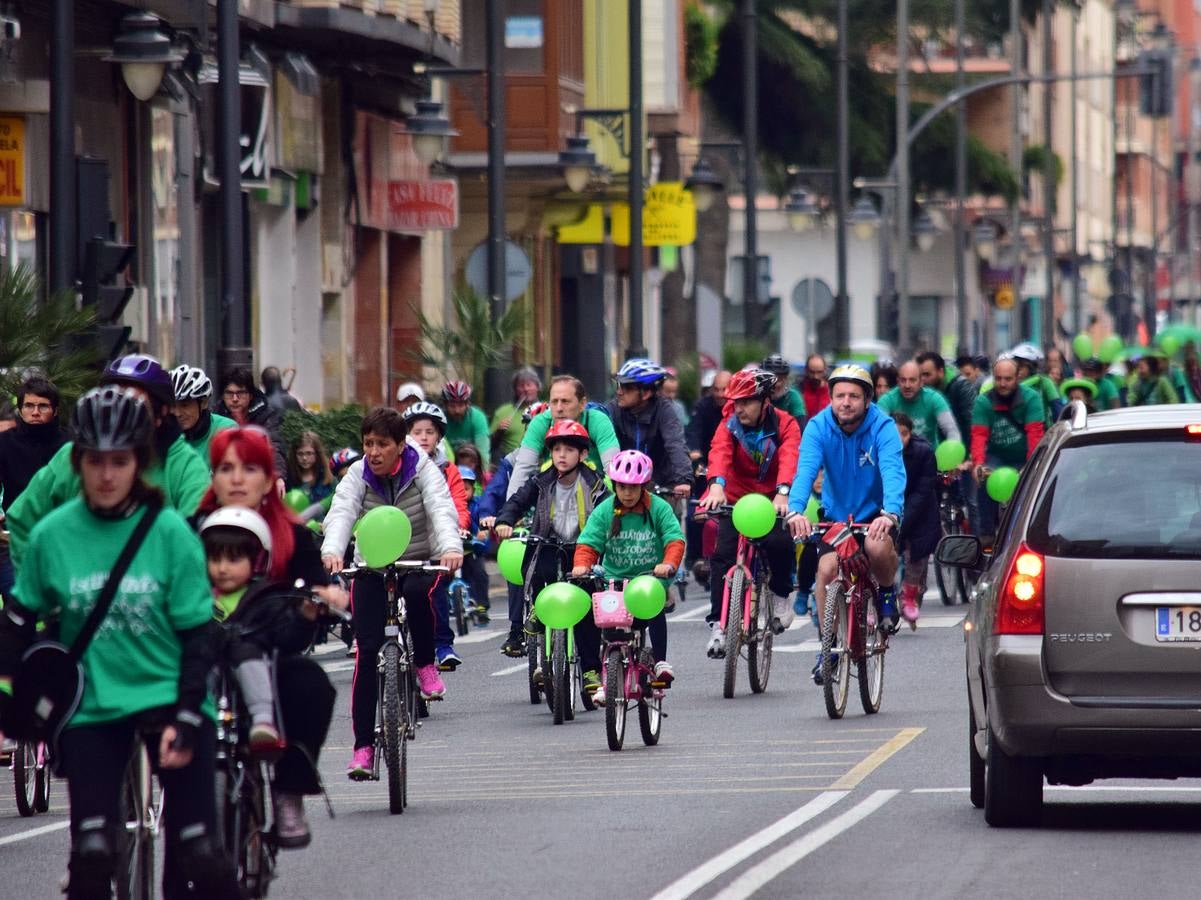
(183, 478)
(639, 544)
(217, 422)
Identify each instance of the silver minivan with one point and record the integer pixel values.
(1084, 635)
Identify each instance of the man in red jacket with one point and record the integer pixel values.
(814, 390)
(754, 451)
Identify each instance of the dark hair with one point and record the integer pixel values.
(39, 387)
(581, 392)
(1152, 363)
(386, 421)
(903, 420)
(230, 543)
(887, 372)
(270, 376)
(468, 455)
(143, 453)
(965, 360)
(240, 377)
(324, 474)
(932, 357)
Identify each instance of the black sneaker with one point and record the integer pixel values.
(533, 626)
(514, 646)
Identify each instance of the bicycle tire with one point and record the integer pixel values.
(559, 676)
(412, 704)
(457, 596)
(952, 584)
(759, 640)
(25, 764)
(574, 687)
(548, 675)
(256, 863)
(835, 681)
(533, 649)
(135, 856)
(615, 699)
(733, 632)
(870, 668)
(394, 733)
(650, 719)
(41, 801)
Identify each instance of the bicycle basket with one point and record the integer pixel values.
(609, 610)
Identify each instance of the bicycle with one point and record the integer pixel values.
(680, 506)
(851, 630)
(629, 668)
(400, 704)
(746, 623)
(953, 517)
(31, 777)
(141, 817)
(462, 604)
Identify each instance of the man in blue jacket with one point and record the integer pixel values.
(858, 449)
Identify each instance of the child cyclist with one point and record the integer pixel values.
(563, 498)
(632, 533)
(396, 472)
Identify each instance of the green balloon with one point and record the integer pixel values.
(562, 605)
(1109, 349)
(754, 516)
(813, 510)
(1170, 344)
(1082, 346)
(1001, 483)
(949, 455)
(645, 595)
(383, 535)
(296, 500)
(509, 557)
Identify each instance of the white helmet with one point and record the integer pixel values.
(190, 383)
(245, 519)
(410, 389)
(423, 410)
(1027, 352)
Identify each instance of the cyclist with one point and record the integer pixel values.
(568, 400)
(784, 396)
(1028, 359)
(927, 407)
(1150, 386)
(508, 422)
(631, 533)
(562, 498)
(242, 401)
(1007, 424)
(645, 420)
(398, 473)
(920, 526)
(174, 466)
(754, 450)
(1082, 389)
(1107, 392)
(814, 390)
(465, 423)
(193, 392)
(145, 668)
(858, 451)
(960, 392)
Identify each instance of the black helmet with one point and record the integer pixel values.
(112, 418)
(777, 365)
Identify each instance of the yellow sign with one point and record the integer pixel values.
(1004, 298)
(12, 161)
(668, 217)
(588, 230)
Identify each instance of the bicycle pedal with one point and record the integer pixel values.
(660, 685)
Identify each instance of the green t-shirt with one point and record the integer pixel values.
(512, 435)
(598, 425)
(471, 429)
(638, 547)
(1156, 391)
(924, 409)
(224, 605)
(217, 423)
(792, 403)
(1047, 392)
(133, 662)
(1007, 433)
(1107, 394)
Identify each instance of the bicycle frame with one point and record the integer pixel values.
(744, 559)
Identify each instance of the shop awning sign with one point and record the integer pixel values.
(668, 217)
(431, 205)
(12, 161)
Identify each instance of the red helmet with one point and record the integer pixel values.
(569, 431)
(750, 384)
(459, 391)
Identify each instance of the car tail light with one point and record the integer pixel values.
(1193, 432)
(1020, 609)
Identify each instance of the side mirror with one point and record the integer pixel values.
(960, 551)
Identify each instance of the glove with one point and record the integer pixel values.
(187, 728)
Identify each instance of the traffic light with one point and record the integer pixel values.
(1155, 83)
(103, 287)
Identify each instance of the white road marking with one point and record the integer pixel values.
(705, 873)
(756, 877)
(692, 614)
(479, 636)
(33, 832)
(938, 621)
(802, 647)
(346, 665)
(1084, 788)
(511, 669)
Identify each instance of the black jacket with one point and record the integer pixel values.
(24, 450)
(658, 432)
(538, 493)
(920, 528)
(706, 416)
(262, 414)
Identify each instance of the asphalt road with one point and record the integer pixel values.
(758, 795)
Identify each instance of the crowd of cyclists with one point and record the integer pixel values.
(622, 485)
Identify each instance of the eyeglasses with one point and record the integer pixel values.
(234, 395)
(37, 407)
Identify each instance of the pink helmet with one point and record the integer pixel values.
(630, 467)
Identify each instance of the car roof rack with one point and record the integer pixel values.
(1075, 413)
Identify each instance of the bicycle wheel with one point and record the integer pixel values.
(952, 584)
(836, 673)
(549, 685)
(759, 640)
(650, 719)
(25, 774)
(41, 790)
(135, 856)
(533, 652)
(394, 732)
(559, 677)
(458, 600)
(870, 669)
(733, 631)
(574, 687)
(615, 699)
(255, 859)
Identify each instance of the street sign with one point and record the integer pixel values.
(1004, 298)
(12, 161)
(517, 270)
(812, 299)
(430, 205)
(668, 217)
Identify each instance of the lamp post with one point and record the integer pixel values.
(636, 346)
(62, 147)
(429, 131)
(904, 339)
(143, 49)
(1049, 187)
(494, 380)
(750, 138)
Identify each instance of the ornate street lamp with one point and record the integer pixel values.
(143, 48)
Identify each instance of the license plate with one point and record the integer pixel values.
(1178, 623)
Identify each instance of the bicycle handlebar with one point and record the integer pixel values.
(403, 567)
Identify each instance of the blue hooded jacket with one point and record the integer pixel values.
(864, 470)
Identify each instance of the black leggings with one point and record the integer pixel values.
(781, 557)
(93, 760)
(547, 566)
(306, 701)
(369, 604)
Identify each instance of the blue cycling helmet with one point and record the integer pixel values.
(142, 371)
(641, 372)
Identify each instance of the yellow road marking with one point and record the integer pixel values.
(876, 759)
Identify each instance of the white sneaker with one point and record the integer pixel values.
(717, 642)
(598, 698)
(664, 673)
(782, 613)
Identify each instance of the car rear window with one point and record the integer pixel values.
(1130, 496)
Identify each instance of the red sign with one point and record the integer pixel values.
(431, 205)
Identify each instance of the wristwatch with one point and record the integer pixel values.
(896, 520)
(719, 481)
(784, 489)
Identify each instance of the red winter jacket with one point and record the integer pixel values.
(816, 396)
(458, 493)
(728, 457)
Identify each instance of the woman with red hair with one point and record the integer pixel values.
(243, 464)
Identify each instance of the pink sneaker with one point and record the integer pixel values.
(430, 682)
(909, 607)
(361, 764)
